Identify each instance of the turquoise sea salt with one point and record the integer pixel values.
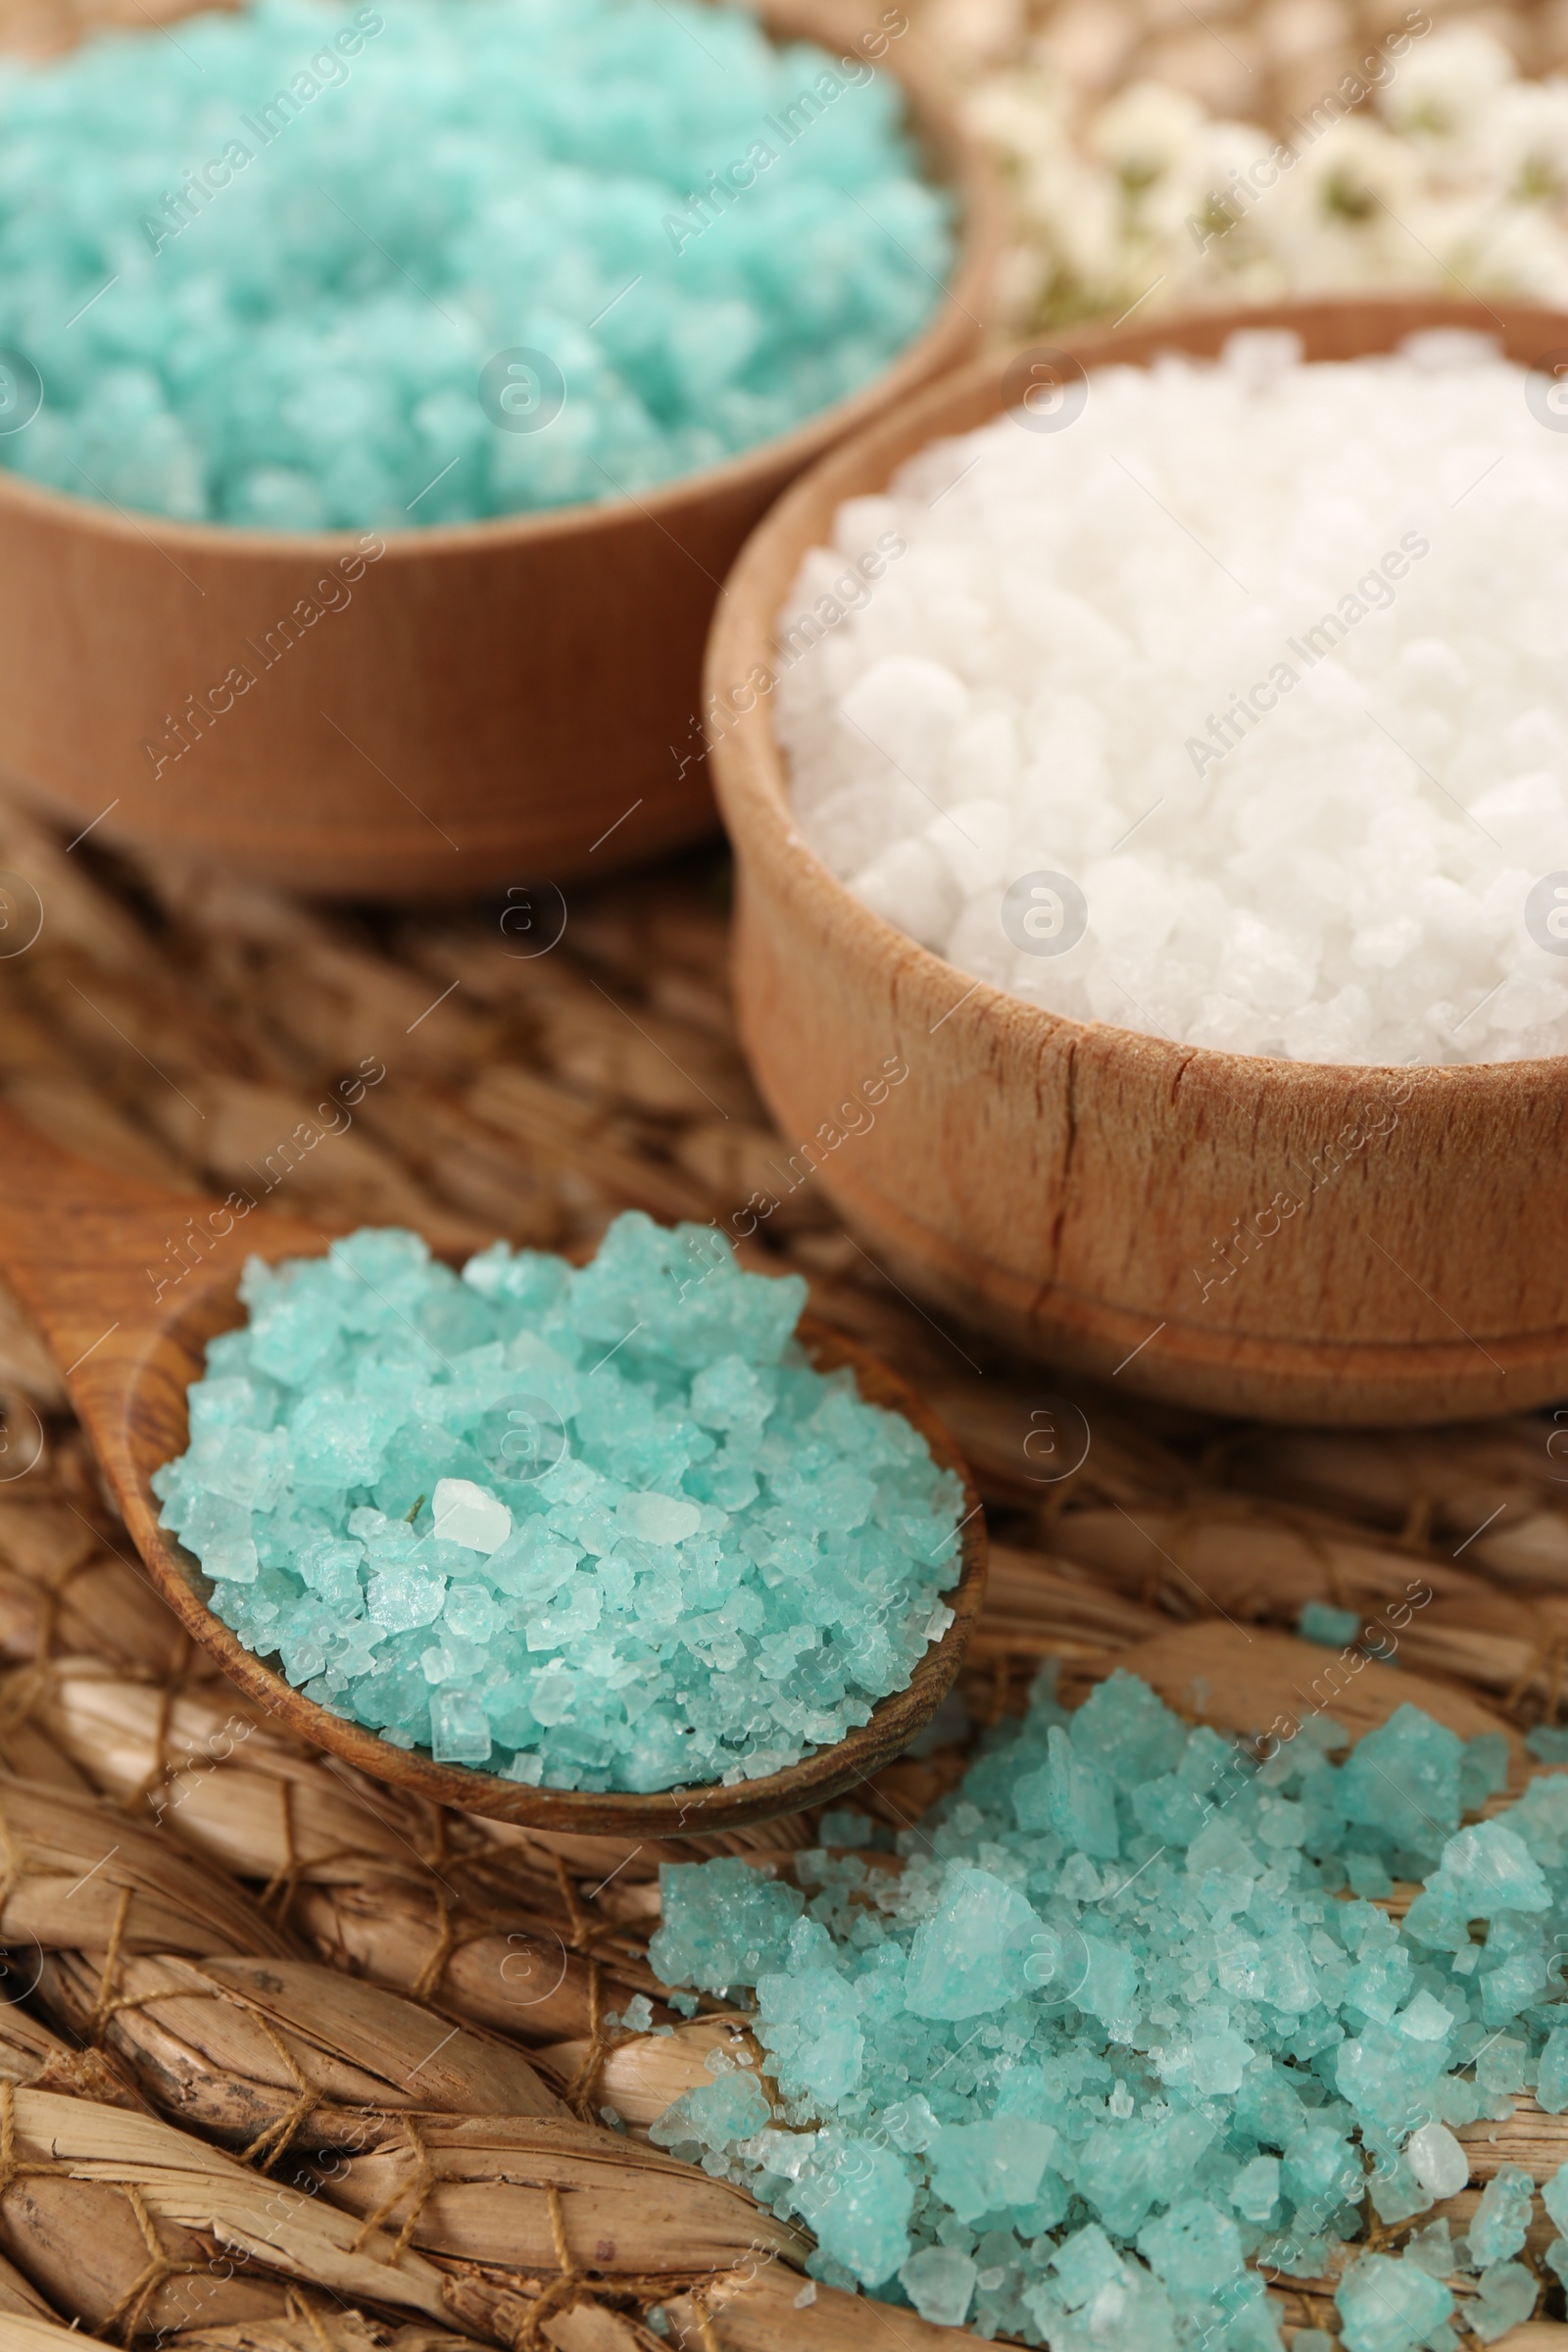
(1336, 1629)
(430, 260)
(593, 1528)
(1111, 2039)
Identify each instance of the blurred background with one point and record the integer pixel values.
(1121, 124)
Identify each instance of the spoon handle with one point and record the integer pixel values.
(103, 1262)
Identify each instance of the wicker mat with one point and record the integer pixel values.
(183, 1028)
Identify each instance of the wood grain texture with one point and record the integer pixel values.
(76, 1243)
(1058, 1182)
(494, 697)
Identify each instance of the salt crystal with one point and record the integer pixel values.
(1437, 2160)
(939, 2282)
(1256, 2188)
(658, 1518)
(969, 1958)
(470, 1515)
(460, 1729)
(856, 2196)
(1551, 2087)
(1497, 2228)
(1336, 1629)
(1506, 2299)
(1390, 2306)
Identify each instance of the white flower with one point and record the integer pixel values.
(1023, 115)
(1517, 249)
(1520, 144)
(1459, 172)
(1080, 213)
(1347, 215)
(1215, 190)
(1354, 177)
(1447, 82)
(1144, 132)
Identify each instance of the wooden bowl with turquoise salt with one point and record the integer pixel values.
(1056, 1181)
(420, 713)
(77, 1244)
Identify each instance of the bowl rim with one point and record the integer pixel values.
(952, 158)
(751, 777)
(695, 1808)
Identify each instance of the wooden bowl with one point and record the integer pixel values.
(75, 1243)
(1058, 1182)
(479, 707)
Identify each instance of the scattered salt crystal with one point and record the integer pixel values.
(1233, 709)
(1497, 2228)
(1335, 1628)
(1507, 2295)
(1438, 2161)
(1144, 2086)
(1390, 2306)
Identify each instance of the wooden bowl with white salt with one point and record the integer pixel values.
(1057, 1182)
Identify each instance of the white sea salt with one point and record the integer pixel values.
(1232, 707)
(1435, 2157)
(469, 1514)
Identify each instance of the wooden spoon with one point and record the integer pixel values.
(86, 1253)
